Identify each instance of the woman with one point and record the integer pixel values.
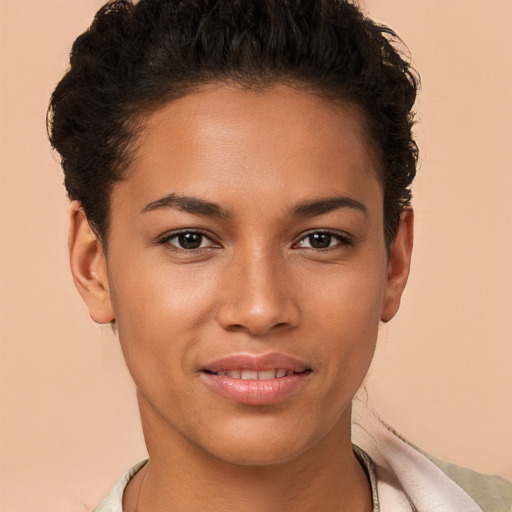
(240, 176)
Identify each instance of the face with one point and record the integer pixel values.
(247, 271)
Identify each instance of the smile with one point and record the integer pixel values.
(253, 375)
(256, 379)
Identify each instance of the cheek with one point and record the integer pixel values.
(152, 292)
(348, 298)
(159, 313)
(345, 320)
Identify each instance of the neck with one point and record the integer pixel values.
(181, 477)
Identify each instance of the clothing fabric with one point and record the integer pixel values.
(402, 477)
(369, 466)
(114, 501)
(409, 480)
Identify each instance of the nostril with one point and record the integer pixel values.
(256, 313)
(235, 327)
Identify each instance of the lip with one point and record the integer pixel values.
(256, 391)
(256, 363)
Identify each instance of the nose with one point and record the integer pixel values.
(257, 295)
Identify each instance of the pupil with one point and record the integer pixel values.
(320, 240)
(190, 240)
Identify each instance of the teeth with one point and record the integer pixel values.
(252, 375)
(249, 375)
(269, 374)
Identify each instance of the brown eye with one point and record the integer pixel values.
(320, 240)
(188, 240)
(324, 240)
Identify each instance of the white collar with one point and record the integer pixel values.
(407, 480)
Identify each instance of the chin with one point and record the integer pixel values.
(260, 446)
(258, 455)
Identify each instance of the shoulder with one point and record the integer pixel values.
(492, 493)
(427, 482)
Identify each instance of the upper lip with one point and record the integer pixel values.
(257, 363)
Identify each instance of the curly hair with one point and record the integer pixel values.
(136, 57)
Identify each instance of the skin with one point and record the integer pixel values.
(257, 284)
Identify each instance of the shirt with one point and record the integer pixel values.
(402, 477)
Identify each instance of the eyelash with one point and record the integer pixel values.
(343, 240)
(166, 239)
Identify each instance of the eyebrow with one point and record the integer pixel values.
(187, 204)
(198, 206)
(322, 206)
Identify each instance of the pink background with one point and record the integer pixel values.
(442, 374)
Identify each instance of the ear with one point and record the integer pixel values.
(89, 266)
(399, 262)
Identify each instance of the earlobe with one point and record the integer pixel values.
(89, 266)
(399, 263)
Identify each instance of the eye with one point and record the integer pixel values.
(188, 240)
(323, 240)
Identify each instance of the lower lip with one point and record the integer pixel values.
(256, 392)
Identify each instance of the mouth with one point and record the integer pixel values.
(256, 380)
(278, 373)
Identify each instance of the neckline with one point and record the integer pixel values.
(369, 467)
(362, 456)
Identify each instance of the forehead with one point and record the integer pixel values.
(224, 141)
